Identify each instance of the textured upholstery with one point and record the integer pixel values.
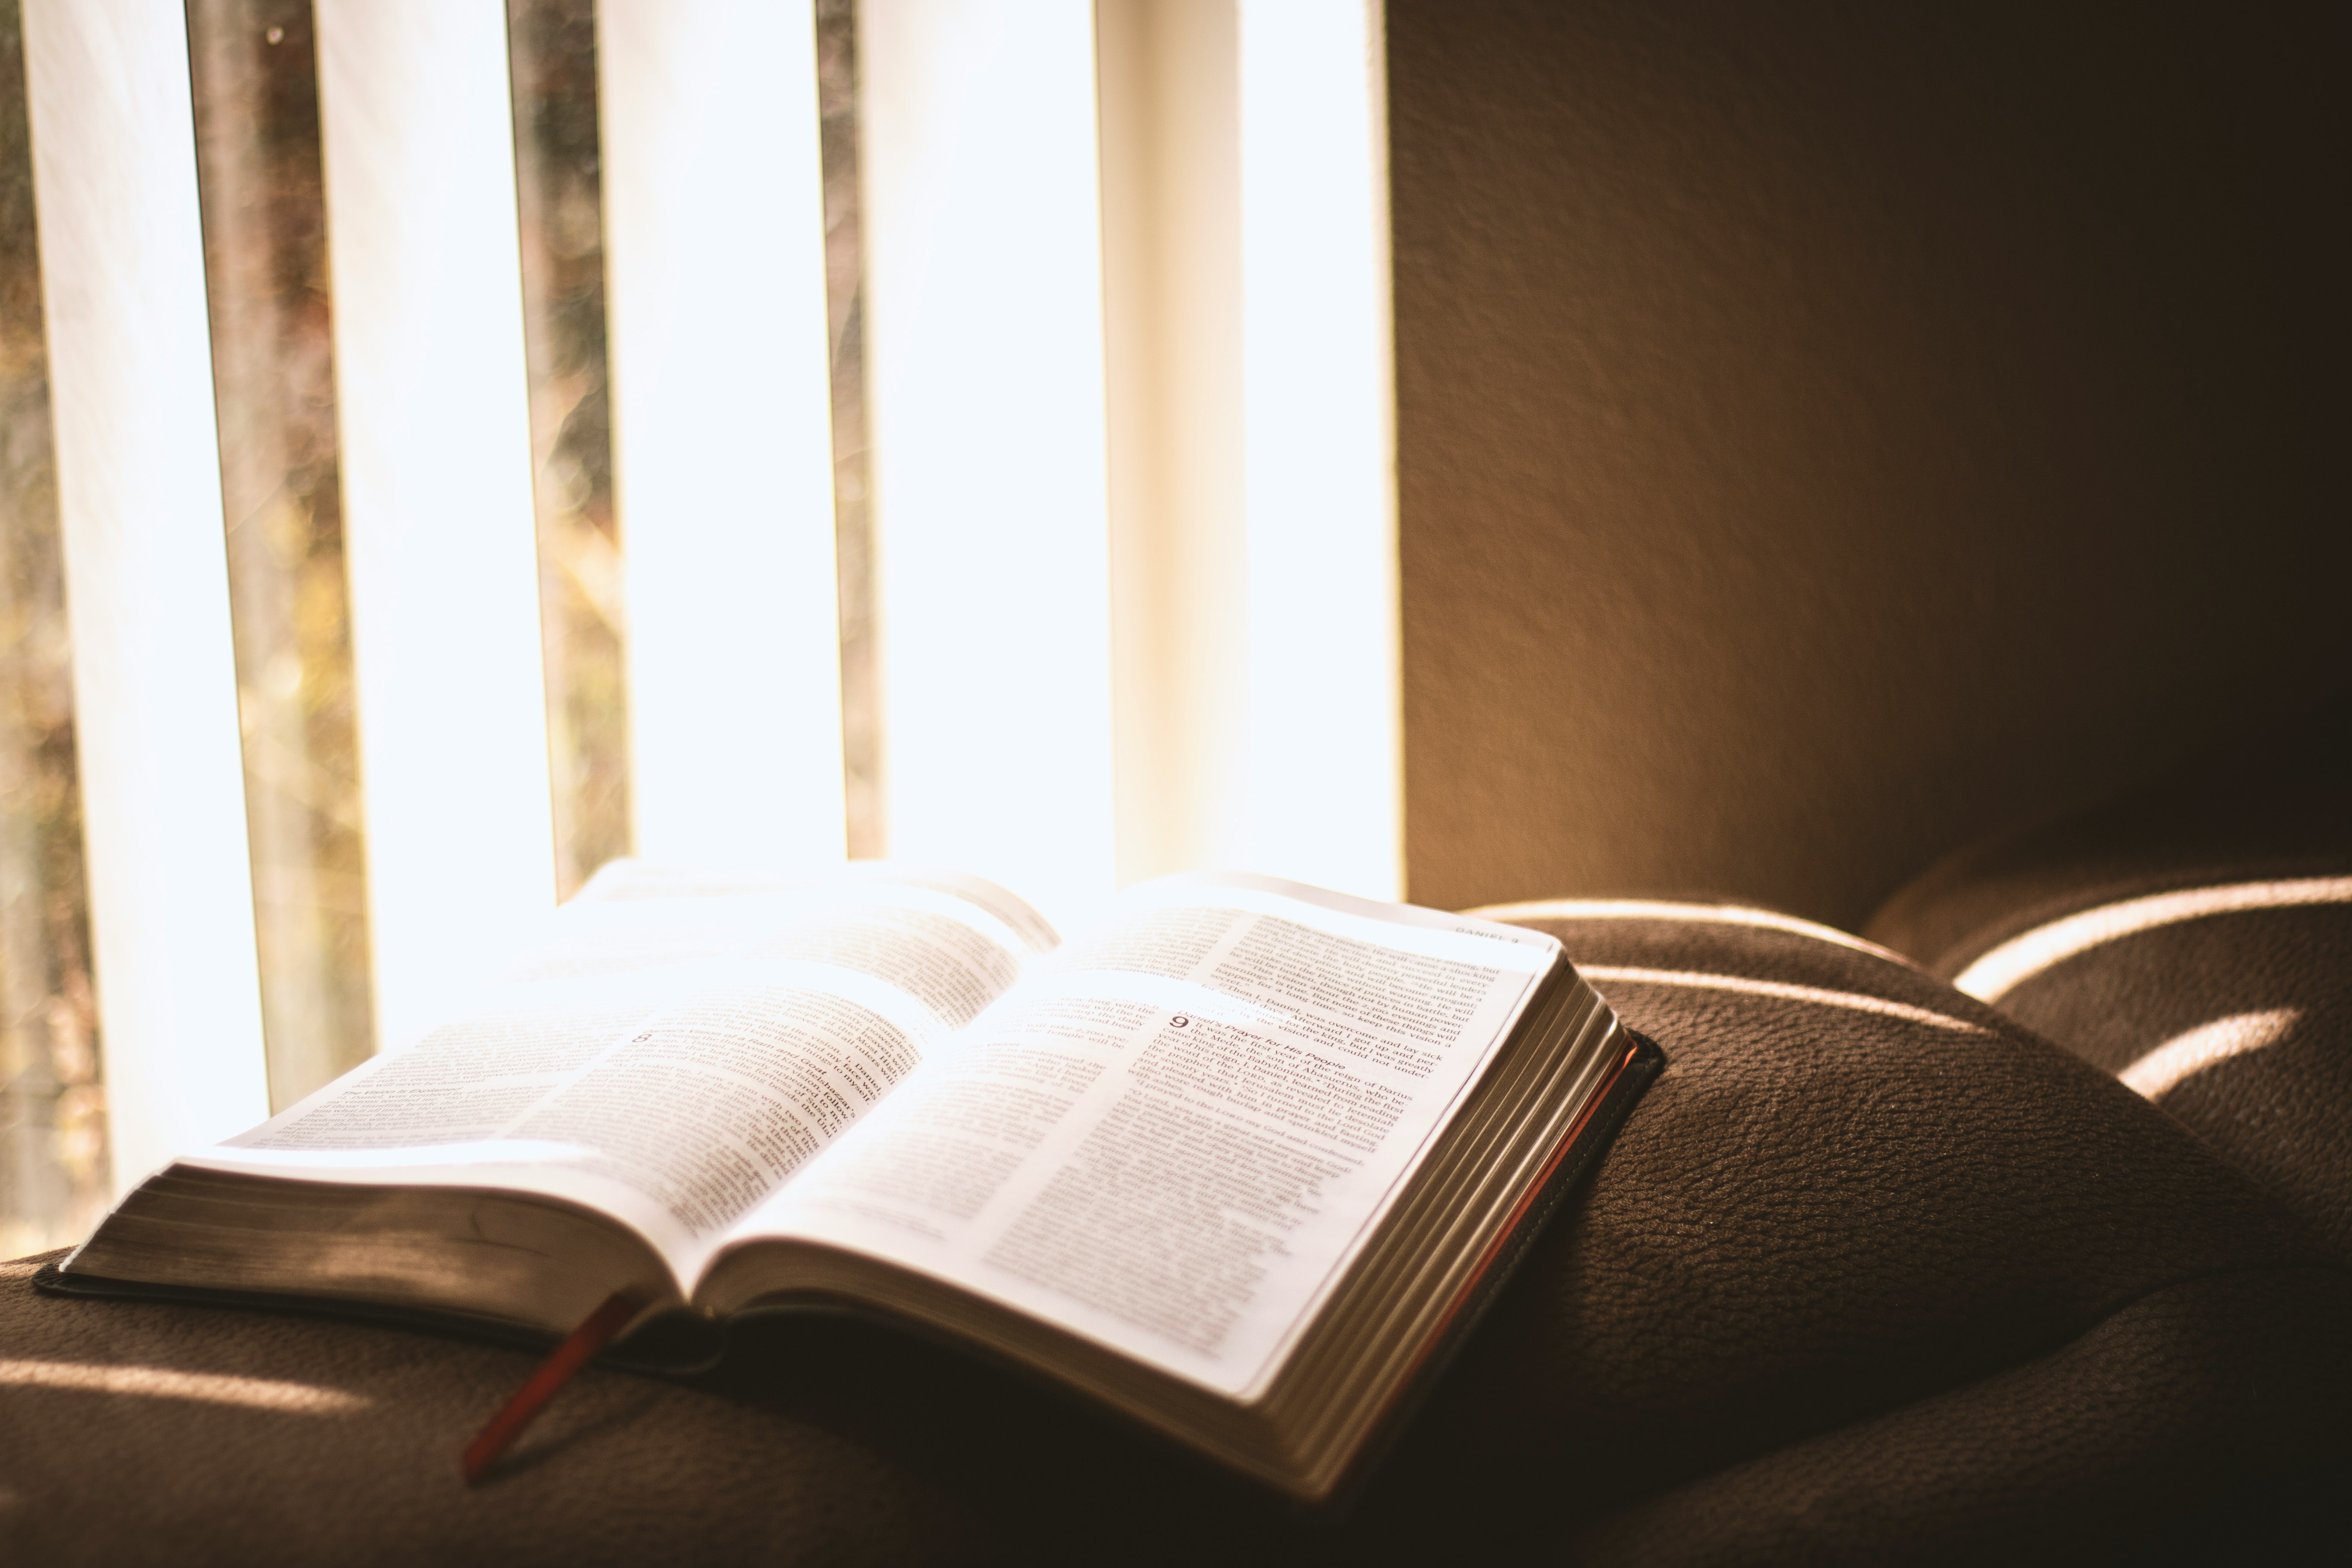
(1871, 1272)
(2195, 937)
(621, 1469)
(2275, 803)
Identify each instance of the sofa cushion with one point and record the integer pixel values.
(1871, 1213)
(2272, 805)
(1859, 1230)
(2194, 938)
(2084, 1455)
(141, 1433)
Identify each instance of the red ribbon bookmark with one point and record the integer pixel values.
(569, 1357)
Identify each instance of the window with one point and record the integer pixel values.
(491, 437)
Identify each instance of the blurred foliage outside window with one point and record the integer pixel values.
(263, 200)
(552, 48)
(53, 1170)
(844, 284)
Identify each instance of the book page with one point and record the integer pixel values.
(679, 1046)
(1174, 1134)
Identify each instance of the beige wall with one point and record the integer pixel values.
(1824, 436)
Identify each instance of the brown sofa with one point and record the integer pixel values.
(1874, 1272)
(2206, 915)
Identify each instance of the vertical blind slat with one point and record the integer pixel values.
(722, 447)
(1179, 566)
(436, 447)
(147, 578)
(982, 227)
(1326, 795)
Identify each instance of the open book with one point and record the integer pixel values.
(1238, 1162)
